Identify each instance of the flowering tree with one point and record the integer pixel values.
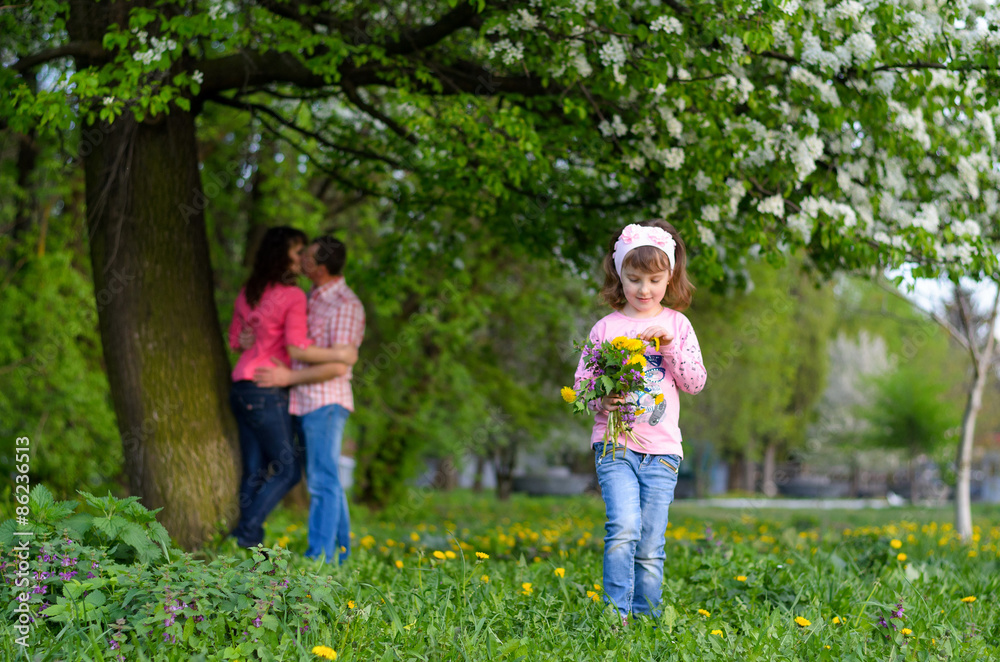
(864, 132)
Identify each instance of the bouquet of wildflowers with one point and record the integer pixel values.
(615, 368)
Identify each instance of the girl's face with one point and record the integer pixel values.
(295, 258)
(644, 292)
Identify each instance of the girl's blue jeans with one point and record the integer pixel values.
(638, 489)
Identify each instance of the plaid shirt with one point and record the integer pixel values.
(335, 317)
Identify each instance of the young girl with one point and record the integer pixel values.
(646, 283)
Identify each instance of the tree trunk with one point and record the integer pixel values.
(477, 480)
(963, 463)
(505, 458)
(983, 368)
(768, 486)
(166, 361)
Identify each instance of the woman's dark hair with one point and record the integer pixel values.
(271, 264)
(647, 259)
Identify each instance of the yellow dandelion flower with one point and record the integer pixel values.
(485, 579)
(901, 556)
(283, 540)
(450, 554)
(637, 359)
(973, 553)
(560, 572)
(399, 564)
(895, 544)
(291, 528)
(568, 394)
(656, 346)
(342, 549)
(969, 598)
(482, 555)
(350, 604)
(802, 622)
(414, 536)
(716, 632)
(836, 620)
(597, 587)
(324, 652)
(658, 399)
(640, 412)
(526, 588)
(826, 647)
(906, 631)
(438, 554)
(740, 578)
(593, 595)
(705, 612)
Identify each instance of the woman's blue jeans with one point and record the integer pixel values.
(321, 432)
(638, 490)
(271, 464)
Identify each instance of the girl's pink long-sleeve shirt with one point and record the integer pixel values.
(678, 365)
(278, 320)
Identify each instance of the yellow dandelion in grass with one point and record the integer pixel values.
(414, 536)
(906, 631)
(716, 632)
(324, 652)
(969, 598)
(973, 553)
(802, 622)
(526, 588)
(705, 612)
(826, 647)
(560, 572)
(836, 620)
(450, 554)
(901, 556)
(740, 578)
(594, 595)
(438, 554)
(283, 541)
(485, 579)
(350, 604)
(895, 544)
(482, 556)
(399, 564)
(568, 394)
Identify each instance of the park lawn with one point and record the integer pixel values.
(461, 576)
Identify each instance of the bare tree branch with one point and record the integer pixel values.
(945, 324)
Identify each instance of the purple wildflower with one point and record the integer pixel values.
(257, 622)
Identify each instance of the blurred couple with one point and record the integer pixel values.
(293, 379)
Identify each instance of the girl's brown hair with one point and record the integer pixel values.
(648, 259)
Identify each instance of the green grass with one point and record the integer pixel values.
(537, 595)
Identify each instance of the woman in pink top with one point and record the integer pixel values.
(272, 310)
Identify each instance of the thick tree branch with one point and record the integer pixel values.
(462, 16)
(89, 49)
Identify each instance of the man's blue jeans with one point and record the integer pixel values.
(321, 432)
(270, 464)
(638, 490)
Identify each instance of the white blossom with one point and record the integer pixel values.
(702, 181)
(198, 77)
(850, 9)
(772, 205)
(508, 51)
(107, 101)
(710, 213)
(673, 158)
(667, 24)
(706, 235)
(635, 161)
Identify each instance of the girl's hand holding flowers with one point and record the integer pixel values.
(658, 335)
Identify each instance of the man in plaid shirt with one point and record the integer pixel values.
(321, 397)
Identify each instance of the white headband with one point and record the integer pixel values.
(634, 236)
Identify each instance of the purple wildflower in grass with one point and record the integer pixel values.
(257, 621)
(899, 610)
(114, 645)
(199, 618)
(171, 619)
(39, 589)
